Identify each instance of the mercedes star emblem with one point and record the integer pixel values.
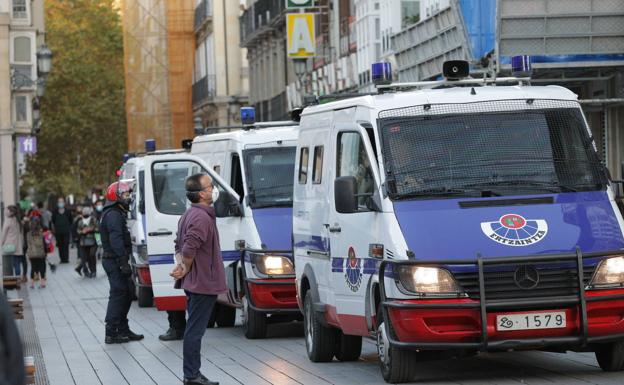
(526, 277)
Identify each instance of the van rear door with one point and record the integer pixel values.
(165, 202)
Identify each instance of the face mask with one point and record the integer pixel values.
(99, 208)
(60, 205)
(215, 194)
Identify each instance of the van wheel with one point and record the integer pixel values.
(320, 340)
(610, 356)
(146, 296)
(397, 365)
(254, 322)
(348, 348)
(226, 316)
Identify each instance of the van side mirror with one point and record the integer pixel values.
(345, 194)
(227, 206)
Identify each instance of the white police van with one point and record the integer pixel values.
(133, 172)
(486, 210)
(254, 171)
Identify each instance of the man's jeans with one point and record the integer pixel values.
(119, 298)
(199, 307)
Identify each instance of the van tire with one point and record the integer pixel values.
(254, 322)
(397, 365)
(348, 348)
(610, 356)
(146, 296)
(320, 340)
(226, 316)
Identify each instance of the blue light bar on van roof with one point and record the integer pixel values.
(381, 73)
(521, 66)
(125, 157)
(248, 115)
(150, 145)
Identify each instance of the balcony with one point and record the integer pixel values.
(204, 90)
(203, 12)
(262, 17)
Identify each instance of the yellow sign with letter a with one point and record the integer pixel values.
(301, 35)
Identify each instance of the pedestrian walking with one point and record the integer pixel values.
(46, 215)
(199, 270)
(37, 252)
(13, 243)
(99, 209)
(86, 228)
(61, 225)
(115, 261)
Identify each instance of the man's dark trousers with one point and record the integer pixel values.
(177, 320)
(120, 298)
(62, 241)
(199, 307)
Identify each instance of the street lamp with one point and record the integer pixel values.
(198, 127)
(301, 67)
(44, 60)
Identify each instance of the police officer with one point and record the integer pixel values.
(115, 260)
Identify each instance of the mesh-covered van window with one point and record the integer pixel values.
(488, 149)
(270, 175)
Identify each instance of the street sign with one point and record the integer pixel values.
(27, 145)
(290, 4)
(301, 35)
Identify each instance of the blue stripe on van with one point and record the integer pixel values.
(312, 242)
(161, 259)
(167, 259)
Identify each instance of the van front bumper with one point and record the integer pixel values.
(273, 295)
(592, 316)
(448, 324)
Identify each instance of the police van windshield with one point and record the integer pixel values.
(516, 152)
(269, 173)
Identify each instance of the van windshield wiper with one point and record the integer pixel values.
(440, 191)
(551, 186)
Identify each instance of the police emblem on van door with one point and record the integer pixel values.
(515, 230)
(353, 271)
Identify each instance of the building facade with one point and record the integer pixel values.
(220, 78)
(21, 33)
(158, 60)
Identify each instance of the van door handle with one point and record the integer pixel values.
(159, 233)
(333, 229)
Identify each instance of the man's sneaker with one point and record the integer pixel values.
(171, 335)
(201, 380)
(131, 335)
(119, 339)
(78, 270)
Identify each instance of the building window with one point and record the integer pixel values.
(21, 108)
(23, 57)
(20, 9)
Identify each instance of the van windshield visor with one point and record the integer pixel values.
(511, 152)
(269, 173)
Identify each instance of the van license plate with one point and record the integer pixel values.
(530, 321)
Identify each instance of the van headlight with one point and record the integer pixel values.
(610, 272)
(427, 280)
(273, 265)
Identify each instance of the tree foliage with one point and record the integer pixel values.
(83, 130)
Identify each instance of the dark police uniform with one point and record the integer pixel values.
(117, 248)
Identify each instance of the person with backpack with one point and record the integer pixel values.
(86, 228)
(37, 252)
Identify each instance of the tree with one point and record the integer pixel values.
(83, 130)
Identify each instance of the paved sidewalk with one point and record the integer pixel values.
(69, 316)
